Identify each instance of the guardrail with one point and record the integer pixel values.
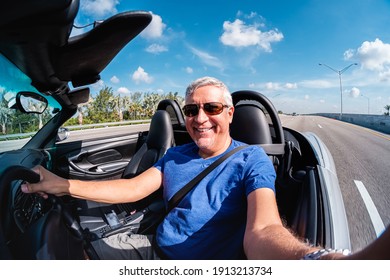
(16, 136)
(74, 127)
(96, 125)
(376, 122)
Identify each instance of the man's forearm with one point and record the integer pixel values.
(274, 242)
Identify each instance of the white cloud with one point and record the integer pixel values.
(251, 15)
(189, 70)
(316, 84)
(348, 54)
(155, 29)
(373, 56)
(354, 92)
(384, 75)
(156, 48)
(237, 34)
(123, 91)
(207, 58)
(160, 91)
(99, 8)
(114, 79)
(140, 76)
(272, 86)
(291, 85)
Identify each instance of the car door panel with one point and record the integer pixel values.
(91, 159)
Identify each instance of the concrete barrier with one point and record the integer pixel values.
(376, 122)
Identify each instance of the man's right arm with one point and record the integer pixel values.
(107, 191)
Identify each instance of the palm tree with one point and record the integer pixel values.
(119, 104)
(80, 114)
(135, 107)
(150, 103)
(5, 114)
(387, 107)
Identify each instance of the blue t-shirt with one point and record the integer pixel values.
(209, 223)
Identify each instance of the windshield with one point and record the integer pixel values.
(16, 127)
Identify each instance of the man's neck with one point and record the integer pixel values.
(205, 153)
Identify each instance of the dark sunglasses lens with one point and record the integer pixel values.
(191, 110)
(213, 108)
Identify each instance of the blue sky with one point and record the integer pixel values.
(271, 46)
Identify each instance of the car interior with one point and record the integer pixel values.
(36, 39)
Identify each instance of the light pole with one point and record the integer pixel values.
(339, 72)
(368, 105)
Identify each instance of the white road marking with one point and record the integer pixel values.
(319, 126)
(371, 208)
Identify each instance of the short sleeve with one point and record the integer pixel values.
(259, 171)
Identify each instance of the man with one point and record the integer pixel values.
(231, 214)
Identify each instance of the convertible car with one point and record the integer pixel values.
(45, 74)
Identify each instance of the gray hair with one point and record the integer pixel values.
(210, 81)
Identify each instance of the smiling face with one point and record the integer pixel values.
(210, 132)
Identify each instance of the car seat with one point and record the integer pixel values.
(250, 125)
(96, 218)
(159, 139)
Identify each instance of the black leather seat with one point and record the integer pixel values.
(159, 139)
(94, 216)
(250, 125)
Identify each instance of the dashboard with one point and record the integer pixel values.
(32, 227)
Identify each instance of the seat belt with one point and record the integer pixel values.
(174, 201)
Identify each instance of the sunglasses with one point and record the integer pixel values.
(210, 108)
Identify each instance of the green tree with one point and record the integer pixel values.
(150, 103)
(120, 104)
(101, 108)
(134, 108)
(175, 96)
(5, 114)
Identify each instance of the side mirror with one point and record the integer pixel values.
(30, 102)
(62, 134)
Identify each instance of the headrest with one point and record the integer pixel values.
(160, 132)
(250, 125)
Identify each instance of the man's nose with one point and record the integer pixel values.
(201, 116)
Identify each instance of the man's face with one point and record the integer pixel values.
(210, 132)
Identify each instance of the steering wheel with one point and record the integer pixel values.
(45, 237)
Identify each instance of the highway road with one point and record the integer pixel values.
(362, 161)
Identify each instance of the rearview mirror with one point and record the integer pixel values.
(30, 102)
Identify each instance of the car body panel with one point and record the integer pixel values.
(336, 209)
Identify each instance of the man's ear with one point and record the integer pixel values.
(231, 113)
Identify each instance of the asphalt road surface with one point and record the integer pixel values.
(362, 159)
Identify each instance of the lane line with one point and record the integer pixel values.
(372, 211)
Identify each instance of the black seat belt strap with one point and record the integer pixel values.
(174, 201)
